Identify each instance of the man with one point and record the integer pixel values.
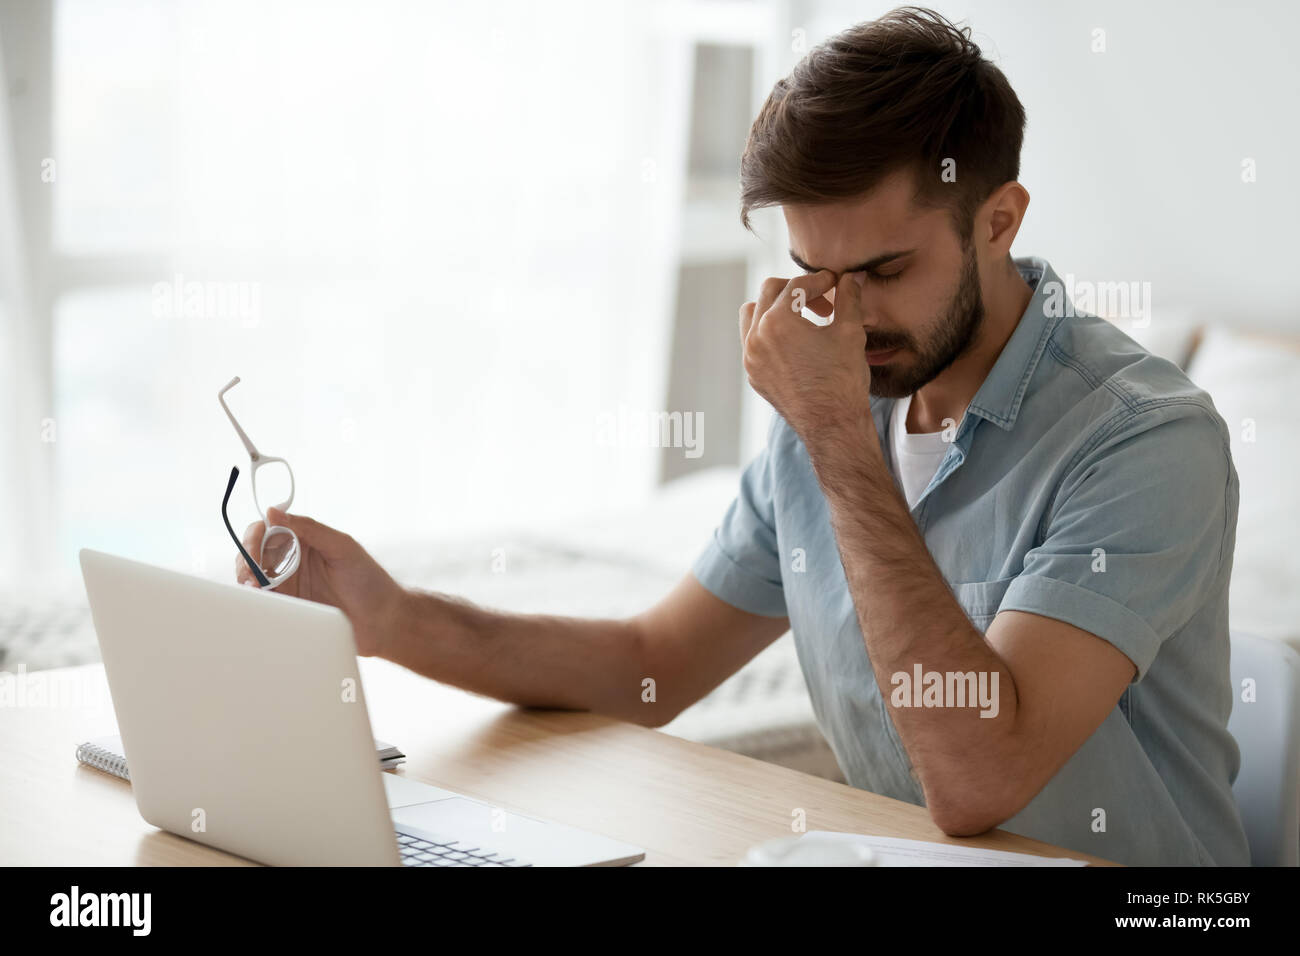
(1001, 532)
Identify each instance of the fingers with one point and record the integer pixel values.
(252, 542)
(331, 544)
(848, 299)
(811, 286)
(802, 292)
(746, 320)
(799, 293)
(768, 292)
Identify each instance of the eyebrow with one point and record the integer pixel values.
(867, 266)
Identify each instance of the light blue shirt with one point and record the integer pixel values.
(1089, 482)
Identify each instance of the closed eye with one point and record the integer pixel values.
(880, 277)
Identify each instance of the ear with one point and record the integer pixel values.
(999, 218)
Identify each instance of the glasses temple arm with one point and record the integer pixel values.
(221, 397)
(252, 565)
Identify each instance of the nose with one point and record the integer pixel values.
(868, 307)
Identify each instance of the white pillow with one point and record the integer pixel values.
(1252, 380)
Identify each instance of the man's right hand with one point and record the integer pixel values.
(334, 569)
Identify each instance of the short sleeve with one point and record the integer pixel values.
(741, 564)
(1139, 534)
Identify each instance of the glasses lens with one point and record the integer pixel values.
(272, 484)
(279, 552)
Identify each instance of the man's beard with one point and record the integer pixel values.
(952, 336)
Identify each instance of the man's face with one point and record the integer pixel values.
(921, 300)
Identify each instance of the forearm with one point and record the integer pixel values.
(910, 618)
(529, 660)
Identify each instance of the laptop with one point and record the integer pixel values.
(244, 725)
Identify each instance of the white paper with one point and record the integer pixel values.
(892, 851)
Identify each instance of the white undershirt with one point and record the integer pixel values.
(916, 457)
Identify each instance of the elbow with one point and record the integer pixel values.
(963, 817)
(654, 711)
(964, 824)
(656, 715)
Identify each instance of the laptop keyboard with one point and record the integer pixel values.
(417, 851)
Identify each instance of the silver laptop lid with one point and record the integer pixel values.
(242, 716)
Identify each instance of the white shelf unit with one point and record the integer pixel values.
(736, 51)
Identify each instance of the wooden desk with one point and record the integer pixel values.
(685, 803)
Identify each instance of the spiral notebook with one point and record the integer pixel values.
(105, 753)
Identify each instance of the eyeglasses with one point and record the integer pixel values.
(280, 552)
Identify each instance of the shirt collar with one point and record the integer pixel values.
(999, 397)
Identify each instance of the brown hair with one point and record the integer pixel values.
(909, 90)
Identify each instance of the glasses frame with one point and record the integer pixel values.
(257, 460)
